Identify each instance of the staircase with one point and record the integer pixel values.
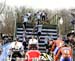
(19, 32)
(52, 30)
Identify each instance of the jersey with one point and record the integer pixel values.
(39, 28)
(25, 19)
(57, 43)
(16, 46)
(65, 52)
(43, 14)
(29, 14)
(38, 16)
(32, 54)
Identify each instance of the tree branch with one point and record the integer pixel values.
(3, 7)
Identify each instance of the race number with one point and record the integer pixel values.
(66, 51)
(34, 59)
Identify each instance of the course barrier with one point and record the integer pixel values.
(24, 59)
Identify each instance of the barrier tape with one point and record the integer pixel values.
(23, 59)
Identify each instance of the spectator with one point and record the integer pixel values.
(1, 42)
(69, 38)
(48, 41)
(39, 28)
(74, 38)
(1, 35)
(73, 41)
(38, 17)
(33, 43)
(25, 20)
(44, 15)
(24, 41)
(2, 58)
(29, 15)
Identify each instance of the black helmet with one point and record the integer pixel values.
(69, 34)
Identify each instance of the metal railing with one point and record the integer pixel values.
(14, 30)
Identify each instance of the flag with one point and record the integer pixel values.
(61, 21)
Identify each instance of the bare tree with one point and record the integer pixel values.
(9, 20)
(2, 6)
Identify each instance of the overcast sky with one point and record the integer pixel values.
(49, 4)
(41, 4)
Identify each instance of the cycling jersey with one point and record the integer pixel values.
(56, 43)
(65, 52)
(32, 54)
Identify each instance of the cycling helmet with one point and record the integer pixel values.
(45, 57)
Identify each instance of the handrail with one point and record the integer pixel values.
(14, 30)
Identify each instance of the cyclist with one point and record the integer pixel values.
(64, 53)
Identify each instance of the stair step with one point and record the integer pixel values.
(40, 47)
(20, 32)
(42, 29)
(44, 34)
(21, 39)
(20, 35)
(19, 28)
(43, 51)
(42, 44)
(42, 37)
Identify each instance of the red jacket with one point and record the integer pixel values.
(32, 54)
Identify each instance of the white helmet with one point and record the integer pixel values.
(46, 57)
